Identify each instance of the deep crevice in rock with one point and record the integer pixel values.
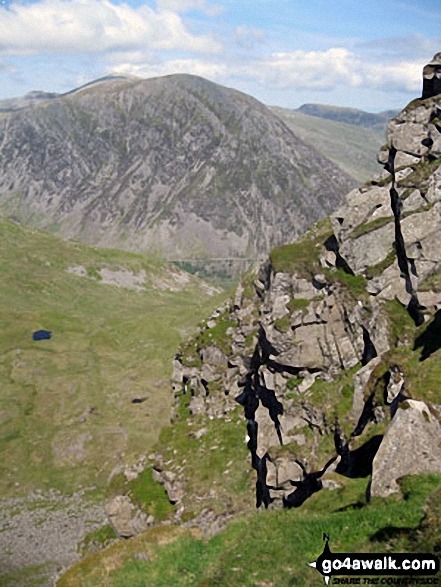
(369, 350)
(253, 394)
(367, 415)
(356, 463)
(331, 244)
(310, 483)
(414, 308)
(262, 489)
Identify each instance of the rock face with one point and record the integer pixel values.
(319, 345)
(412, 444)
(125, 518)
(176, 163)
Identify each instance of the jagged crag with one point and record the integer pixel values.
(327, 358)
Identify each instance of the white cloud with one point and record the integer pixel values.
(315, 70)
(213, 71)
(95, 26)
(334, 69)
(186, 5)
(331, 69)
(319, 70)
(402, 76)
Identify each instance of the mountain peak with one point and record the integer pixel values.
(104, 80)
(177, 164)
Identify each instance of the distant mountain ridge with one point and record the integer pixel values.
(36, 96)
(12, 104)
(352, 147)
(349, 115)
(176, 164)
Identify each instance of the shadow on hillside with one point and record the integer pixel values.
(391, 533)
(430, 339)
(358, 505)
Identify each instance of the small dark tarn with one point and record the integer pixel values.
(42, 335)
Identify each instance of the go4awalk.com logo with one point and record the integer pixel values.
(366, 569)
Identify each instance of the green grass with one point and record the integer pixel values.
(32, 576)
(148, 494)
(351, 147)
(378, 269)
(302, 257)
(269, 548)
(283, 324)
(208, 485)
(354, 284)
(427, 537)
(368, 227)
(401, 326)
(421, 378)
(247, 282)
(421, 172)
(217, 335)
(66, 404)
(382, 182)
(97, 539)
(334, 399)
(293, 382)
(298, 304)
(190, 353)
(431, 283)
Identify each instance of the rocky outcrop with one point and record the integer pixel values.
(387, 231)
(432, 77)
(126, 513)
(125, 518)
(315, 355)
(411, 444)
(307, 347)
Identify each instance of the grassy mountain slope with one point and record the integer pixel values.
(270, 549)
(353, 148)
(66, 408)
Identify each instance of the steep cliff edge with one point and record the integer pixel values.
(332, 347)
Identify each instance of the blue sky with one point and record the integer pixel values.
(364, 54)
